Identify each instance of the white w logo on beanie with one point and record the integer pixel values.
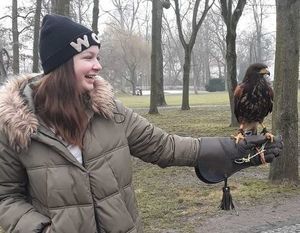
(80, 42)
(84, 41)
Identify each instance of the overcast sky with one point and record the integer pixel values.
(244, 22)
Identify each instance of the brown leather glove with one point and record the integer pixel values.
(219, 158)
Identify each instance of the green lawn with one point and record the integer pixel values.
(213, 98)
(206, 98)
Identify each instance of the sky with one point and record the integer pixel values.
(244, 22)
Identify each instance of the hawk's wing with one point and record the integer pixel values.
(252, 105)
(238, 93)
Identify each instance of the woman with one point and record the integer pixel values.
(66, 143)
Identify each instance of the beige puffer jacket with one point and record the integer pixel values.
(41, 183)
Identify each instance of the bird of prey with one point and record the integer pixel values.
(253, 101)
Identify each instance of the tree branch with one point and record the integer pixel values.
(5, 16)
(179, 25)
(238, 12)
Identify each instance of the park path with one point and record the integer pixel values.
(282, 215)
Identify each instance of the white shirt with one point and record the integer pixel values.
(76, 152)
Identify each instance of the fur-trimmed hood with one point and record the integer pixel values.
(19, 123)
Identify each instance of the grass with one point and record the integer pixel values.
(213, 98)
(173, 199)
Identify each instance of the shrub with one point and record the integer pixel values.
(215, 84)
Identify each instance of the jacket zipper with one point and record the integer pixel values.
(94, 203)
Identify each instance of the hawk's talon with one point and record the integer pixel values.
(265, 132)
(239, 137)
(261, 155)
(270, 136)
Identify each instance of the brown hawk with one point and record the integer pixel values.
(253, 101)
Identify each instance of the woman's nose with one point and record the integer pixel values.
(97, 66)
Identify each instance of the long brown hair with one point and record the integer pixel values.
(59, 104)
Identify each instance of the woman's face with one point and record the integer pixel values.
(86, 67)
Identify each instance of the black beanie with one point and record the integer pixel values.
(61, 39)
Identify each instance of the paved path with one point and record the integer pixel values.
(285, 229)
(282, 216)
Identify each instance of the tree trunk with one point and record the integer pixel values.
(231, 72)
(133, 78)
(196, 73)
(37, 19)
(15, 33)
(61, 7)
(160, 87)
(95, 16)
(3, 73)
(186, 80)
(157, 79)
(156, 56)
(231, 20)
(206, 55)
(285, 113)
(161, 100)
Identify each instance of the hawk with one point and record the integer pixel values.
(253, 101)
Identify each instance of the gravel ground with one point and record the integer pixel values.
(279, 216)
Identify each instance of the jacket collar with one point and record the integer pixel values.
(17, 119)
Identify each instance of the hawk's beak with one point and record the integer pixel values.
(265, 71)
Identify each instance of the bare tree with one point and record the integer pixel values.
(127, 57)
(206, 54)
(80, 11)
(95, 16)
(157, 97)
(231, 20)
(257, 8)
(37, 19)
(201, 59)
(285, 114)
(15, 33)
(188, 46)
(61, 7)
(125, 16)
(217, 41)
(174, 55)
(124, 23)
(259, 15)
(4, 64)
(135, 53)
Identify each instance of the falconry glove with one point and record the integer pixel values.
(219, 158)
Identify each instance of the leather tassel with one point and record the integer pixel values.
(226, 203)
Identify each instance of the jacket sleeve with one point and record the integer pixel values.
(17, 215)
(153, 145)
